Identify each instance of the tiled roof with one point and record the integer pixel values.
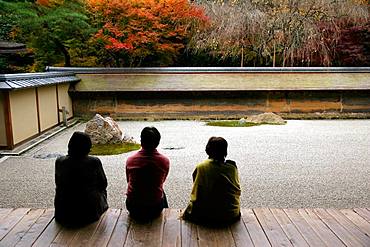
(11, 47)
(171, 82)
(27, 80)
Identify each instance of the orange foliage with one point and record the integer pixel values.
(49, 3)
(142, 27)
(43, 2)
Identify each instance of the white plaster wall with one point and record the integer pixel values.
(48, 107)
(24, 114)
(64, 100)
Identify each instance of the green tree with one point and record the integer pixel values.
(10, 14)
(56, 31)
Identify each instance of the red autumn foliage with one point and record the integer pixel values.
(43, 2)
(49, 3)
(348, 40)
(354, 45)
(142, 28)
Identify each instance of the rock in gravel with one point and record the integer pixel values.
(266, 118)
(103, 130)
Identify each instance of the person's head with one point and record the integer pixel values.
(150, 138)
(79, 145)
(217, 148)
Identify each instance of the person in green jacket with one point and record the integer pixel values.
(215, 197)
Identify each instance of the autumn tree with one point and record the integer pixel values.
(348, 35)
(234, 31)
(276, 32)
(353, 45)
(306, 33)
(144, 32)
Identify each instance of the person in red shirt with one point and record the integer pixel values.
(146, 172)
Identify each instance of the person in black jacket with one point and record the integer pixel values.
(81, 195)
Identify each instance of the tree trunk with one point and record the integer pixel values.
(63, 49)
(67, 57)
(242, 59)
(274, 57)
(292, 59)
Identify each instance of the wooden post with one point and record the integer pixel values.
(38, 110)
(8, 121)
(57, 95)
(64, 114)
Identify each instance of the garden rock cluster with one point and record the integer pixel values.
(104, 130)
(266, 118)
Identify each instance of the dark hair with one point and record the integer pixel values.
(79, 145)
(150, 138)
(217, 148)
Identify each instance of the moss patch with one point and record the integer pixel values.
(231, 123)
(235, 123)
(113, 149)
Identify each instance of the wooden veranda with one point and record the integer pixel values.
(257, 227)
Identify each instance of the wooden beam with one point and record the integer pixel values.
(8, 121)
(38, 110)
(57, 95)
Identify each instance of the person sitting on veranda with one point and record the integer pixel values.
(215, 197)
(81, 195)
(146, 172)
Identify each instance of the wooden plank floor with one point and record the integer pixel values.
(257, 227)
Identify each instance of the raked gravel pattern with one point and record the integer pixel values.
(322, 163)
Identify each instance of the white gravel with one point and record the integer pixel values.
(300, 164)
